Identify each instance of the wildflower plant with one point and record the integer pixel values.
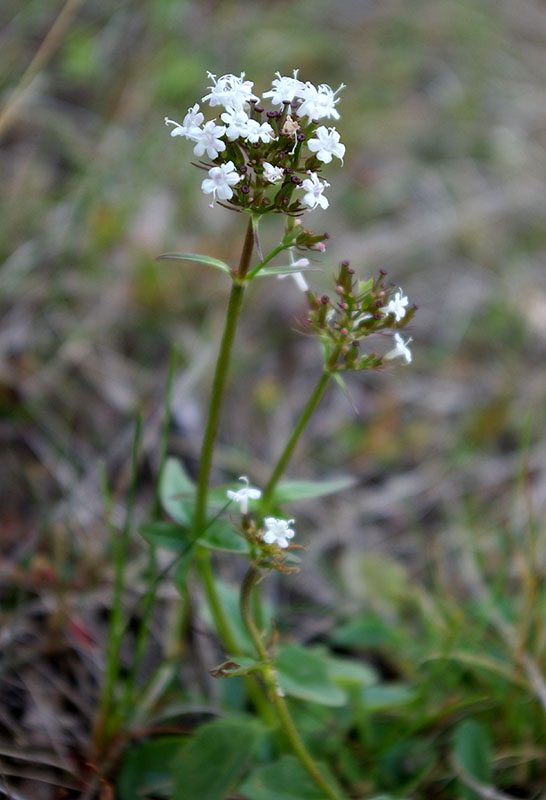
(260, 161)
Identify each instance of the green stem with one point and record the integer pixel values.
(219, 382)
(270, 677)
(290, 446)
(203, 558)
(269, 257)
(306, 414)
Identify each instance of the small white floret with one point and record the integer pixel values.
(278, 531)
(314, 189)
(272, 174)
(237, 124)
(326, 144)
(298, 277)
(259, 131)
(397, 306)
(220, 181)
(400, 350)
(230, 91)
(208, 140)
(242, 496)
(285, 89)
(191, 125)
(319, 102)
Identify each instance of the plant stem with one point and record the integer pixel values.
(270, 677)
(306, 414)
(219, 382)
(290, 446)
(203, 558)
(222, 365)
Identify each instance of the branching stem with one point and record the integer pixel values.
(275, 695)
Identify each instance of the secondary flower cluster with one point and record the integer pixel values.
(256, 158)
(277, 531)
(360, 309)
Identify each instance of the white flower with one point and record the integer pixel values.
(400, 349)
(237, 123)
(220, 181)
(191, 125)
(326, 144)
(257, 131)
(271, 173)
(397, 306)
(278, 531)
(208, 138)
(243, 495)
(319, 103)
(301, 283)
(314, 189)
(285, 89)
(230, 91)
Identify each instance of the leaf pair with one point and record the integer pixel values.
(264, 272)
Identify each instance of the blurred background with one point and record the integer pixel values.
(444, 119)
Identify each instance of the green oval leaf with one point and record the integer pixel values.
(220, 535)
(303, 674)
(387, 696)
(176, 491)
(215, 758)
(145, 768)
(286, 779)
(194, 257)
(472, 751)
(165, 534)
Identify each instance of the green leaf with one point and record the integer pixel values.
(303, 674)
(291, 491)
(472, 751)
(366, 632)
(385, 697)
(220, 535)
(347, 673)
(286, 779)
(287, 270)
(166, 534)
(210, 262)
(211, 763)
(145, 768)
(176, 490)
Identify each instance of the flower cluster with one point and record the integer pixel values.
(277, 531)
(360, 309)
(257, 159)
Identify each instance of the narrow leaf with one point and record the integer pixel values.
(210, 262)
(286, 270)
(291, 491)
